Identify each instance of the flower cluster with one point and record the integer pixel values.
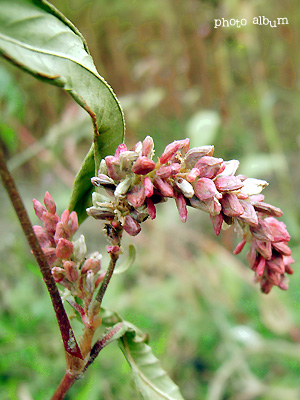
(193, 177)
(66, 258)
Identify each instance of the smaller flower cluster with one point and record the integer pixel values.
(193, 177)
(66, 258)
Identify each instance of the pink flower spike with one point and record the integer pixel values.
(261, 266)
(64, 248)
(277, 229)
(228, 183)
(42, 236)
(131, 226)
(217, 221)
(239, 247)
(120, 149)
(143, 166)
(65, 217)
(149, 189)
(39, 209)
(181, 205)
(151, 208)
(49, 203)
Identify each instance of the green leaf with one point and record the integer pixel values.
(150, 379)
(40, 40)
(128, 262)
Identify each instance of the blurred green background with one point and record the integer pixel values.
(176, 76)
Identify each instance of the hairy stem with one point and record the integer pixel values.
(67, 334)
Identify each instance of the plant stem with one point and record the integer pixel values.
(108, 275)
(65, 384)
(67, 334)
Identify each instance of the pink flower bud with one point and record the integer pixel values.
(147, 148)
(267, 209)
(49, 203)
(71, 271)
(50, 255)
(143, 166)
(277, 230)
(92, 264)
(136, 197)
(120, 149)
(181, 205)
(282, 248)
(149, 189)
(163, 186)
(205, 189)
(50, 221)
(228, 183)
(260, 266)
(113, 249)
(239, 247)
(113, 167)
(39, 209)
(65, 217)
(165, 171)
(266, 286)
(64, 248)
(58, 274)
(263, 231)
(231, 205)
(209, 167)
(62, 231)
(151, 208)
(193, 174)
(73, 221)
(172, 148)
(249, 215)
(264, 248)
(131, 226)
(42, 236)
(194, 154)
(217, 221)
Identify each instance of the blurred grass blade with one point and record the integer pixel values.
(40, 40)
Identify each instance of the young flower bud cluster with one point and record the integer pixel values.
(135, 183)
(67, 260)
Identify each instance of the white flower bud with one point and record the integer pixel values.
(253, 186)
(123, 187)
(185, 187)
(230, 168)
(79, 249)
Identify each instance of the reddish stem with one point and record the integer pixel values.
(65, 384)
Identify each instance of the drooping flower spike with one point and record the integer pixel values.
(134, 184)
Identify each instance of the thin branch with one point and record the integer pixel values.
(108, 275)
(67, 334)
(65, 384)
